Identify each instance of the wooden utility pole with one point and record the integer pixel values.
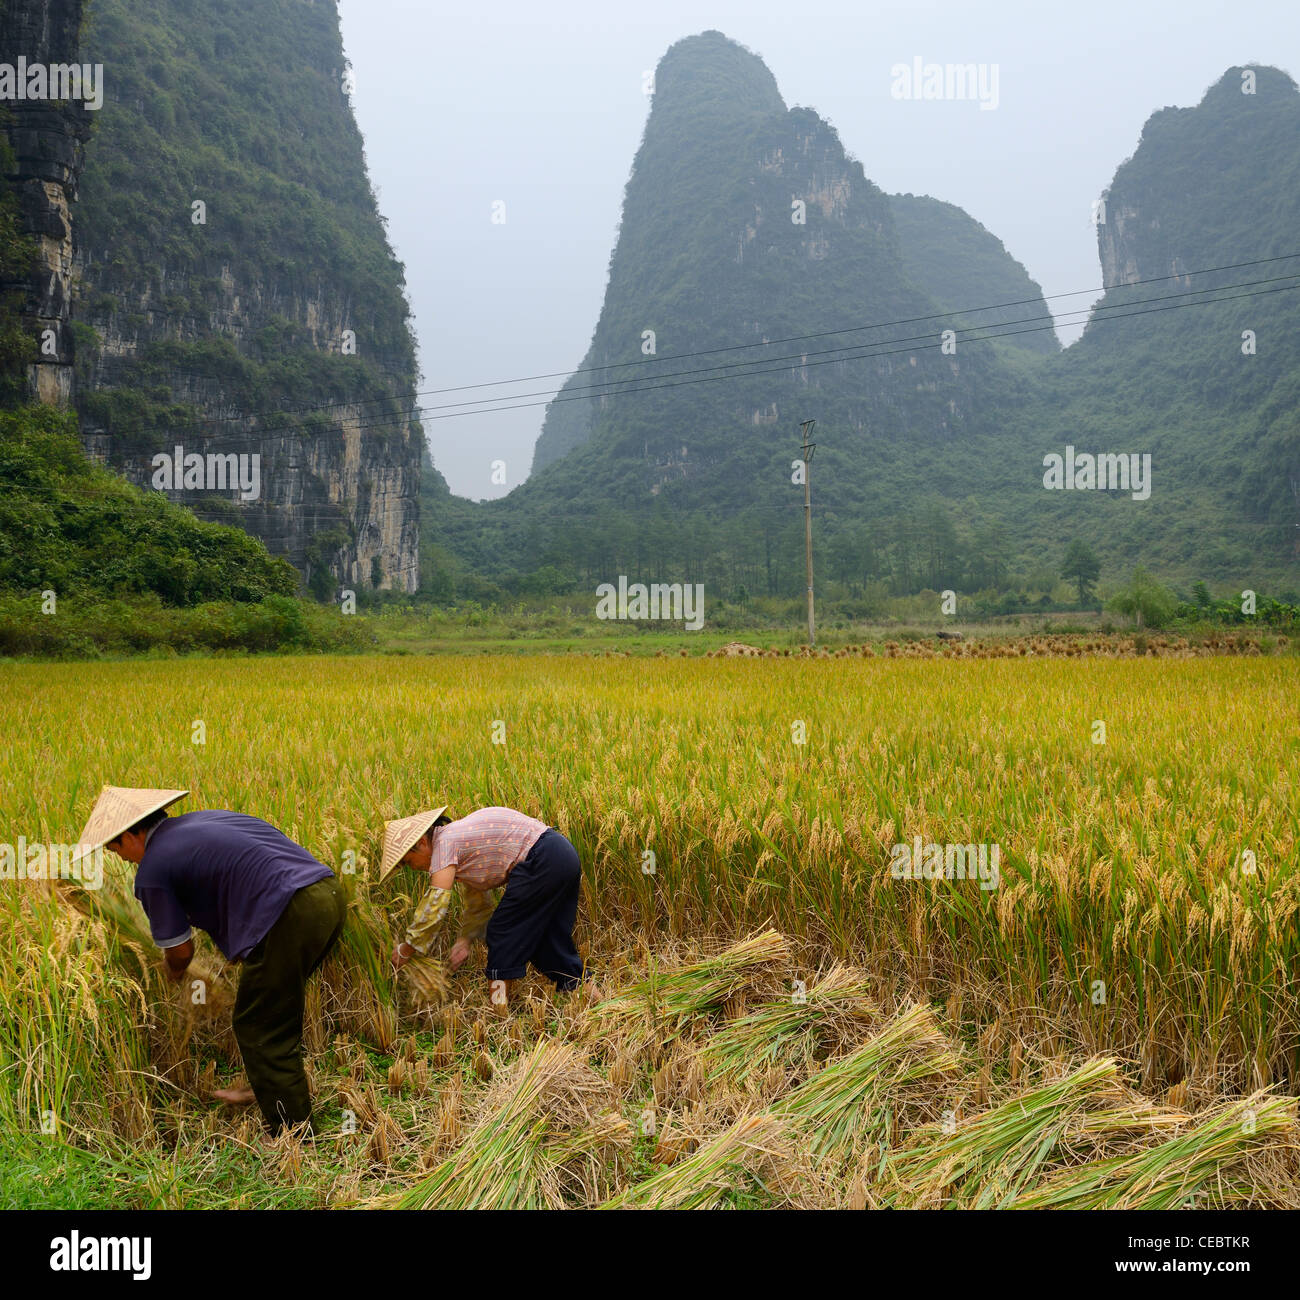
(808, 449)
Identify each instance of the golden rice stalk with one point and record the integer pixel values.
(790, 1034)
(420, 1077)
(361, 1102)
(753, 1161)
(289, 1152)
(444, 1051)
(1209, 1159)
(988, 1161)
(447, 1133)
(385, 1138)
(666, 1003)
(542, 1124)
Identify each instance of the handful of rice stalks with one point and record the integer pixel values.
(786, 1037)
(548, 1130)
(427, 982)
(754, 1160)
(664, 1005)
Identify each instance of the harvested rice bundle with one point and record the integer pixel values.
(582, 1164)
(1211, 1157)
(754, 1157)
(853, 1101)
(665, 1004)
(988, 1161)
(216, 998)
(785, 1037)
(546, 1125)
(195, 1022)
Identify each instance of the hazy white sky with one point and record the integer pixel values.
(542, 106)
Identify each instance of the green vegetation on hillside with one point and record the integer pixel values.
(962, 265)
(90, 564)
(929, 469)
(1217, 408)
(69, 526)
(194, 89)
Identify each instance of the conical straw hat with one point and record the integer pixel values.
(401, 835)
(117, 809)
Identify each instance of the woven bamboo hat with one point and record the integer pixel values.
(117, 809)
(401, 835)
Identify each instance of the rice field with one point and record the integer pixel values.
(1106, 1015)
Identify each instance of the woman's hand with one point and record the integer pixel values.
(459, 953)
(399, 958)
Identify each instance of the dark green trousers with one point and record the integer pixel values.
(272, 994)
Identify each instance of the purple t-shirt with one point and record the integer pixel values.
(229, 874)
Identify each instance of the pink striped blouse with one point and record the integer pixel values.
(485, 845)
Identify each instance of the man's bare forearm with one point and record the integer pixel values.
(178, 960)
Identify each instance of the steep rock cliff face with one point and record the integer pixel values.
(46, 139)
(237, 294)
(1197, 186)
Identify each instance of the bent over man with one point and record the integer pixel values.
(264, 900)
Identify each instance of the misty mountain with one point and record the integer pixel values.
(760, 278)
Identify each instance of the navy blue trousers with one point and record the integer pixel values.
(533, 922)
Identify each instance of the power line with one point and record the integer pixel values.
(322, 408)
(607, 391)
(653, 383)
(651, 386)
(850, 329)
